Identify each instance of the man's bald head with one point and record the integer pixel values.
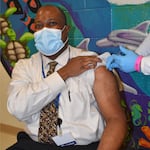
(51, 12)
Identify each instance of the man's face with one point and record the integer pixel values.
(50, 17)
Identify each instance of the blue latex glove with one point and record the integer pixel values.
(125, 61)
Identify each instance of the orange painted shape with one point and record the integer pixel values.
(144, 143)
(146, 131)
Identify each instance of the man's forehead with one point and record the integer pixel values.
(48, 12)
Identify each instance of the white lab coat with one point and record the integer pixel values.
(144, 50)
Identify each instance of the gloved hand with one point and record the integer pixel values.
(125, 61)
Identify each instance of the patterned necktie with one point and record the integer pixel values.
(48, 117)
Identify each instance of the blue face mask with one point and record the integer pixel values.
(48, 41)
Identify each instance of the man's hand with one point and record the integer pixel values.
(78, 65)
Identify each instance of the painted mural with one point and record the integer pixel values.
(96, 25)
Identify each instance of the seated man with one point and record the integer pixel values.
(83, 97)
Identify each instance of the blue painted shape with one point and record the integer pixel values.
(142, 81)
(74, 5)
(94, 24)
(97, 3)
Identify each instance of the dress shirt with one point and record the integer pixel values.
(29, 92)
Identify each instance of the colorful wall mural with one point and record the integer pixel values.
(96, 25)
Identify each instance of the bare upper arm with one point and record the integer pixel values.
(107, 94)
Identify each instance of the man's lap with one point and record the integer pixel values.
(24, 142)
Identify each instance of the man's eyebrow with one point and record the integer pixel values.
(51, 19)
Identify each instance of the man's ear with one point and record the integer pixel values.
(65, 32)
(67, 28)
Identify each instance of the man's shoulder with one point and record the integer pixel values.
(29, 61)
(35, 55)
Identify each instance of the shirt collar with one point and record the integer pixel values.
(61, 59)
